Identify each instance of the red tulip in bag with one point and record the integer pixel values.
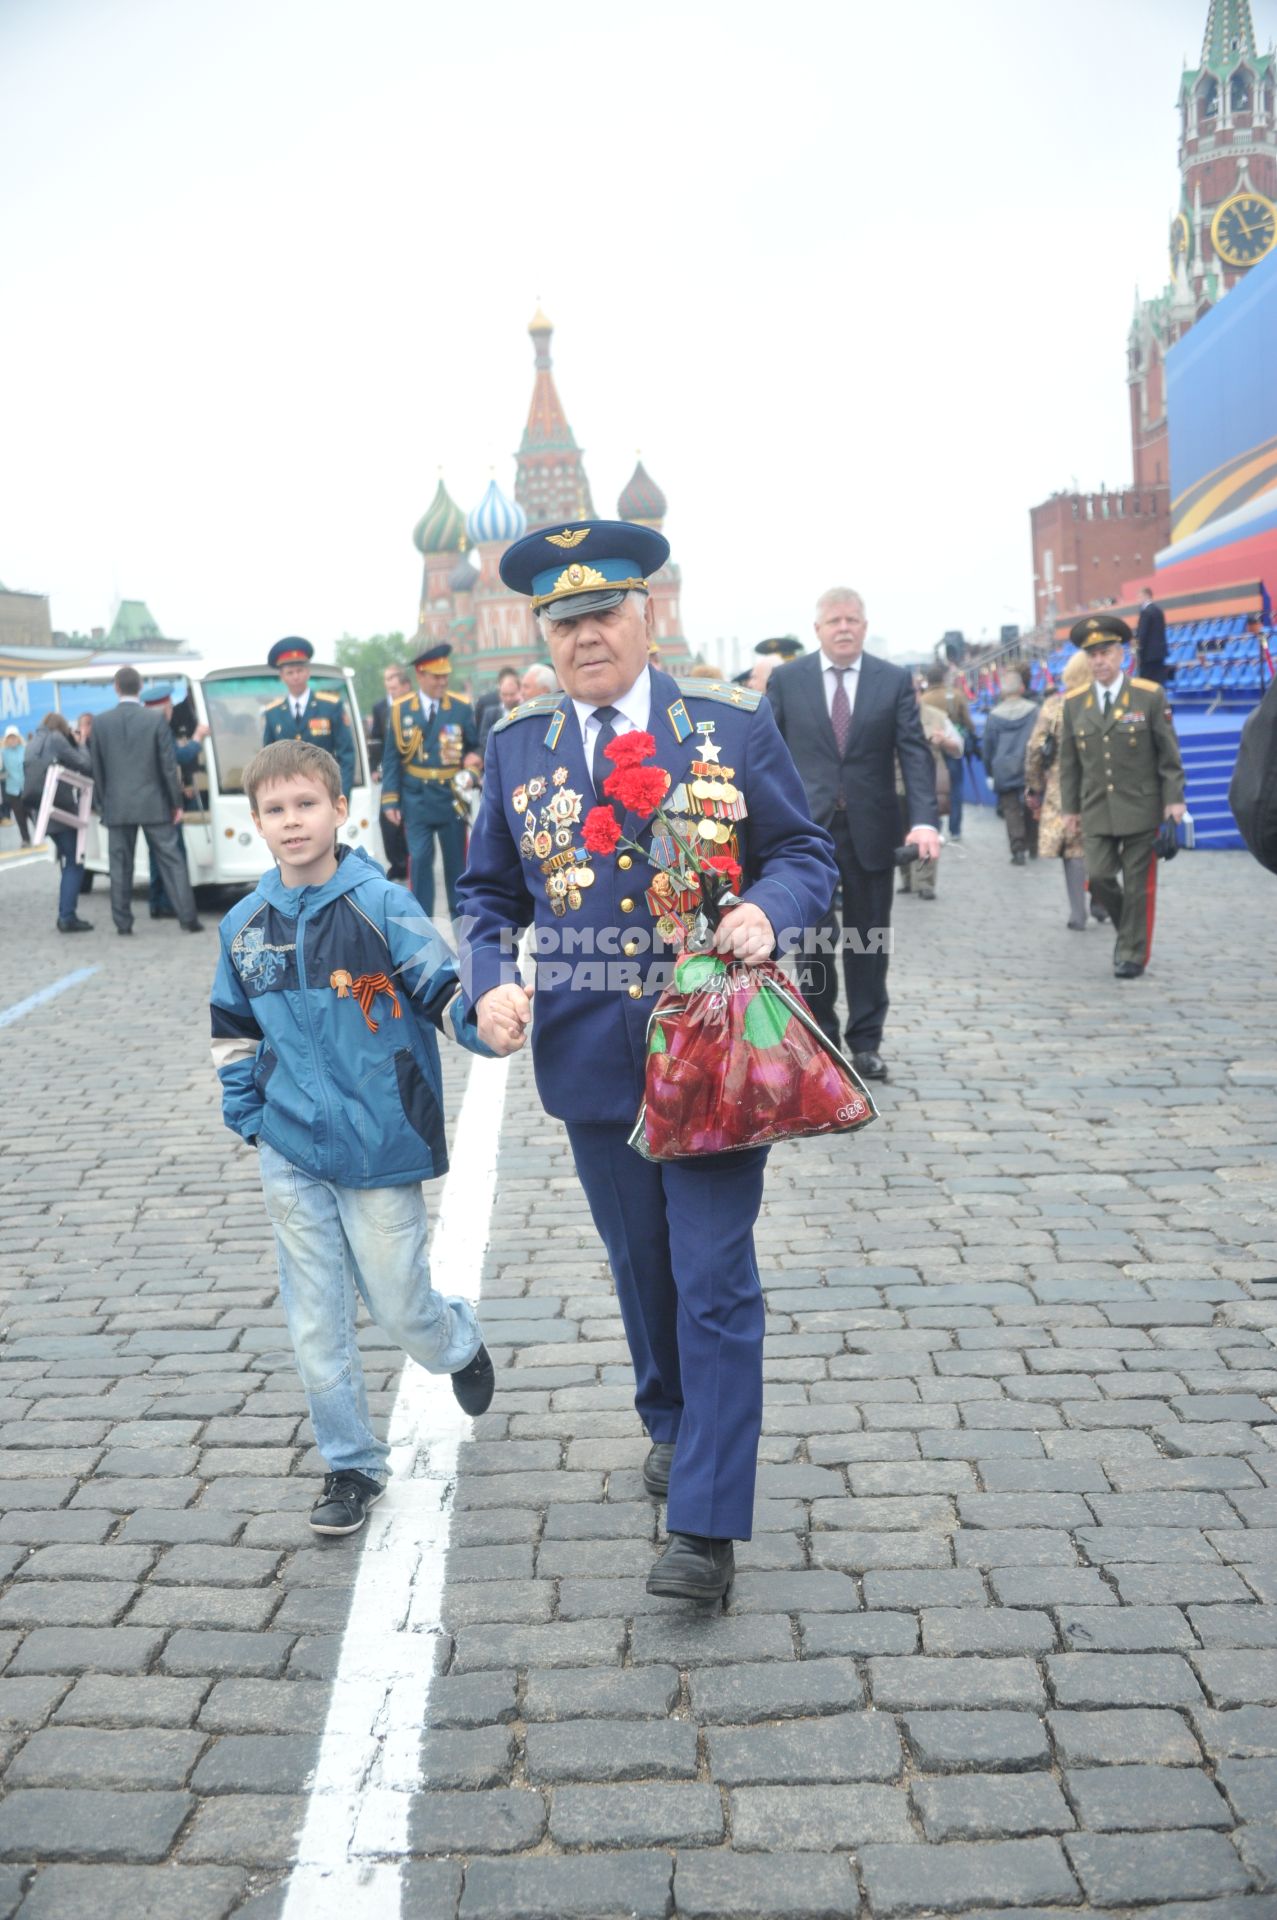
(735, 1059)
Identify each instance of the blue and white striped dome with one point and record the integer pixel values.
(495, 519)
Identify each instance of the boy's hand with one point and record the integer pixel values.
(502, 1015)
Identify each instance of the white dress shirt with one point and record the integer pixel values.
(298, 703)
(829, 672)
(634, 710)
(1111, 692)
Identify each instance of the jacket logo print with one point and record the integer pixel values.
(260, 967)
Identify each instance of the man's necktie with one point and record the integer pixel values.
(599, 767)
(297, 709)
(840, 711)
(1108, 702)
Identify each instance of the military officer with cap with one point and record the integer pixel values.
(306, 713)
(783, 646)
(678, 1235)
(1120, 776)
(431, 736)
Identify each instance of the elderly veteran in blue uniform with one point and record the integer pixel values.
(678, 1235)
(306, 713)
(431, 736)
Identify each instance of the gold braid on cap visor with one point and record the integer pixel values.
(579, 578)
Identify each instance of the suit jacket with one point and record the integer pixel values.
(884, 727)
(135, 772)
(1150, 637)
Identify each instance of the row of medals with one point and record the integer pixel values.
(703, 807)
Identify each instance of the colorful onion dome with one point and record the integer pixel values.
(641, 498)
(495, 519)
(463, 577)
(440, 527)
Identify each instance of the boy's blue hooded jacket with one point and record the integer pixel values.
(299, 1063)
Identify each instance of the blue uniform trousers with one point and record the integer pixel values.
(421, 835)
(680, 1241)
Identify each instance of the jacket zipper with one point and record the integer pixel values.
(316, 1062)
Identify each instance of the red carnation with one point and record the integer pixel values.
(639, 789)
(723, 863)
(600, 830)
(629, 748)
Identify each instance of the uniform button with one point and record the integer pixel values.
(625, 863)
(627, 906)
(635, 993)
(630, 949)
(1110, 786)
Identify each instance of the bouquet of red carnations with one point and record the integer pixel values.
(735, 1058)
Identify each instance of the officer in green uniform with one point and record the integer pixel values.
(304, 713)
(1120, 776)
(431, 736)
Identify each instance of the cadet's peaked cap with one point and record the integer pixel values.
(156, 695)
(285, 652)
(435, 657)
(786, 646)
(1100, 630)
(583, 567)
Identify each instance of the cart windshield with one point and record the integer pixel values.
(235, 707)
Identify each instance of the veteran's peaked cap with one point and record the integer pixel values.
(1100, 630)
(588, 564)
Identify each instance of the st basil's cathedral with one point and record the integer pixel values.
(463, 598)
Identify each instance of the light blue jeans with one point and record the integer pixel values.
(332, 1244)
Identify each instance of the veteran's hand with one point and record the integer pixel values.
(393, 815)
(1176, 811)
(927, 841)
(745, 934)
(1071, 822)
(502, 1015)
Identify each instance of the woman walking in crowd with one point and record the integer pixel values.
(1042, 791)
(53, 745)
(11, 782)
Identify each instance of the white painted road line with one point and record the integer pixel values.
(18, 857)
(355, 1834)
(34, 1000)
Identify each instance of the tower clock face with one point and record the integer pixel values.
(1179, 239)
(1244, 229)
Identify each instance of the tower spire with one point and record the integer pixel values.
(1229, 36)
(550, 482)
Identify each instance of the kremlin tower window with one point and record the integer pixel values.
(1239, 92)
(1207, 101)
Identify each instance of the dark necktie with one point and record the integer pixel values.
(1108, 702)
(599, 767)
(840, 711)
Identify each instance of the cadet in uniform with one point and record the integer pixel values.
(679, 1235)
(431, 736)
(1120, 777)
(306, 715)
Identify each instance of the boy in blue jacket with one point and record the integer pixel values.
(330, 984)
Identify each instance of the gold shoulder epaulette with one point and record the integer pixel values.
(271, 705)
(333, 699)
(527, 710)
(399, 702)
(456, 700)
(745, 699)
(1075, 693)
(1149, 686)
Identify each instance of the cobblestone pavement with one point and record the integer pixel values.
(1006, 1637)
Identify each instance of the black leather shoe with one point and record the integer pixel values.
(193, 926)
(123, 930)
(163, 913)
(475, 1384)
(693, 1568)
(74, 924)
(1019, 859)
(343, 1505)
(870, 1066)
(1128, 970)
(656, 1469)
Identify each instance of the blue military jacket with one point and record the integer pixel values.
(601, 960)
(414, 775)
(323, 724)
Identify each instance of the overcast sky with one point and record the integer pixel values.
(856, 278)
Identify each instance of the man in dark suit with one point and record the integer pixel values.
(847, 717)
(1150, 639)
(503, 698)
(397, 681)
(137, 784)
